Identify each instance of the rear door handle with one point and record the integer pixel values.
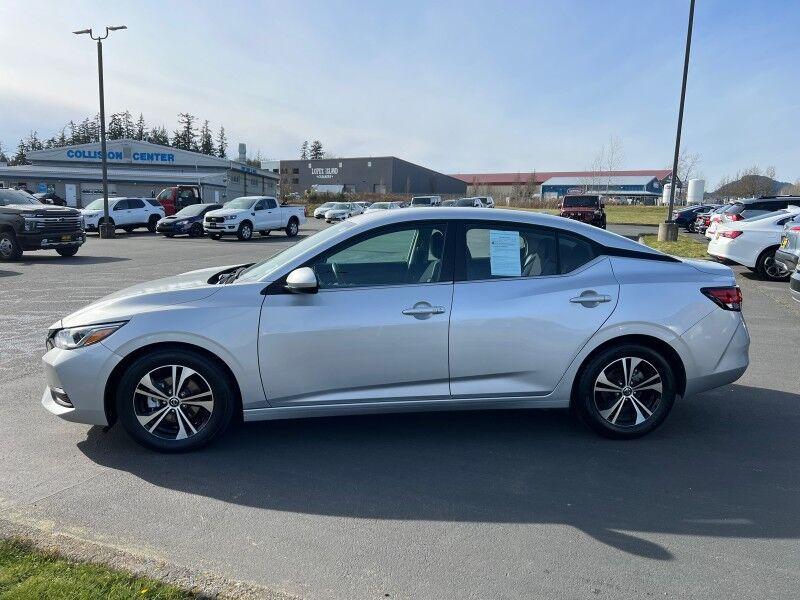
(590, 299)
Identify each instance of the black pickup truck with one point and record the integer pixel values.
(27, 224)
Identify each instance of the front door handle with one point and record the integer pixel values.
(590, 298)
(423, 310)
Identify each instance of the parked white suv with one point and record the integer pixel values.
(124, 213)
(246, 214)
(486, 201)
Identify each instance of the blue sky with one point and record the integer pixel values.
(457, 86)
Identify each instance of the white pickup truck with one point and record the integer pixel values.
(245, 215)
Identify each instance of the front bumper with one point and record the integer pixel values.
(44, 241)
(220, 228)
(81, 374)
(787, 259)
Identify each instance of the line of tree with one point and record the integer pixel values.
(313, 151)
(186, 136)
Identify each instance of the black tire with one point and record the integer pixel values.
(292, 227)
(128, 402)
(169, 235)
(215, 236)
(9, 246)
(152, 223)
(623, 409)
(768, 269)
(128, 228)
(264, 232)
(245, 231)
(68, 251)
(196, 230)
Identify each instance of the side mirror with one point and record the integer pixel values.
(302, 281)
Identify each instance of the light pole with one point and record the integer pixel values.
(106, 229)
(668, 230)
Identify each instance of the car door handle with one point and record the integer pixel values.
(590, 298)
(423, 310)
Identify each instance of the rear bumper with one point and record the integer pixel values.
(720, 348)
(43, 241)
(794, 286)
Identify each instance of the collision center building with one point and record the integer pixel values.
(375, 175)
(137, 169)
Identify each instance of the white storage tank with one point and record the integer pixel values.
(697, 188)
(665, 194)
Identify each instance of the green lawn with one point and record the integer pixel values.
(26, 573)
(685, 247)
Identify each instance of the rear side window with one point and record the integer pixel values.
(734, 209)
(573, 252)
(135, 203)
(154, 202)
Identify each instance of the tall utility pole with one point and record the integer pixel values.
(106, 229)
(668, 230)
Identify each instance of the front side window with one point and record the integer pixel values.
(498, 251)
(271, 203)
(260, 205)
(121, 205)
(573, 252)
(400, 256)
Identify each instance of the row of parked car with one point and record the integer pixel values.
(762, 234)
(339, 211)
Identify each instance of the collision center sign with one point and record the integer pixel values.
(157, 157)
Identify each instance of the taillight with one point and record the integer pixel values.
(727, 298)
(736, 217)
(795, 228)
(707, 221)
(731, 234)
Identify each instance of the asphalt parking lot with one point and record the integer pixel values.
(451, 505)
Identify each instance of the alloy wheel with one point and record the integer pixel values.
(627, 391)
(293, 228)
(6, 247)
(173, 402)
(773, 269)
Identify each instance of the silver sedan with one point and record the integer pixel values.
(407, 310)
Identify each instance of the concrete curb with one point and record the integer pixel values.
(206, 585)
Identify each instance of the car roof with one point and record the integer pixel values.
(501, 215)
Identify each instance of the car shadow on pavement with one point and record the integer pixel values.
(723, 465)
(9, 273)
(33, 259)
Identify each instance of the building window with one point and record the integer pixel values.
(369, 163)
(340, 165)
(295, 171)
(295, 180)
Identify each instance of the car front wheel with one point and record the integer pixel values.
(174, 401)
(245, 231)
(9, 246)
(625, 391)
(68, 251)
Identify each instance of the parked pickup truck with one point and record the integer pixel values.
(247, 214)
(588, 208)
(27, 224)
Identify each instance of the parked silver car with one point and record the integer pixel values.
(788, 254)
(405, 310)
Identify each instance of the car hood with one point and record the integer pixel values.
(227, 212)
(338, 211)
(144, 297)
(44, 210)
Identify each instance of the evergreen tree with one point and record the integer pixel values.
(73, 133)
(20, 158)
(128, 128)
(141, 128)
(185, 136)
(304, 150)
(3, 157)
(316, 151)
(61, 140)
(158, 135)
(206, 141)
(222, 143)
(33, 142)
(116, 127)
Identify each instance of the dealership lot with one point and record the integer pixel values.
(466, 505)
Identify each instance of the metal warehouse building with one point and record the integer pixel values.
(135, 168)
(630, 188)
(378, 175)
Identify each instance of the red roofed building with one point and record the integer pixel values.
(502, 185)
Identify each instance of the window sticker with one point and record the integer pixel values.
(504, 257)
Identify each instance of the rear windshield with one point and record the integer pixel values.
(192, 210)
(734, 209)
(465, 202)
(581, 201)
(421, 202)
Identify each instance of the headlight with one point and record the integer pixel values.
(181, 222)
(230, 218)
(78, 337)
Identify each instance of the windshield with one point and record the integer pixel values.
(420, 202)
(581, 201)
(8, 197)
(191, 211)
(95, 205)
(263, 269)
(326, 205)
(381, 205)
(340, 206)
(243, 202)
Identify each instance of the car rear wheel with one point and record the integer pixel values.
(245, 231)
(625, 391)
(174, 401)
(196, 230)
(215, 236)
(9, 246)
(768, 268)
(292, 228)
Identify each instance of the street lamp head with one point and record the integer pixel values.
(82, 31)
(117, 27)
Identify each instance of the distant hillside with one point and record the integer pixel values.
(751, 185)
